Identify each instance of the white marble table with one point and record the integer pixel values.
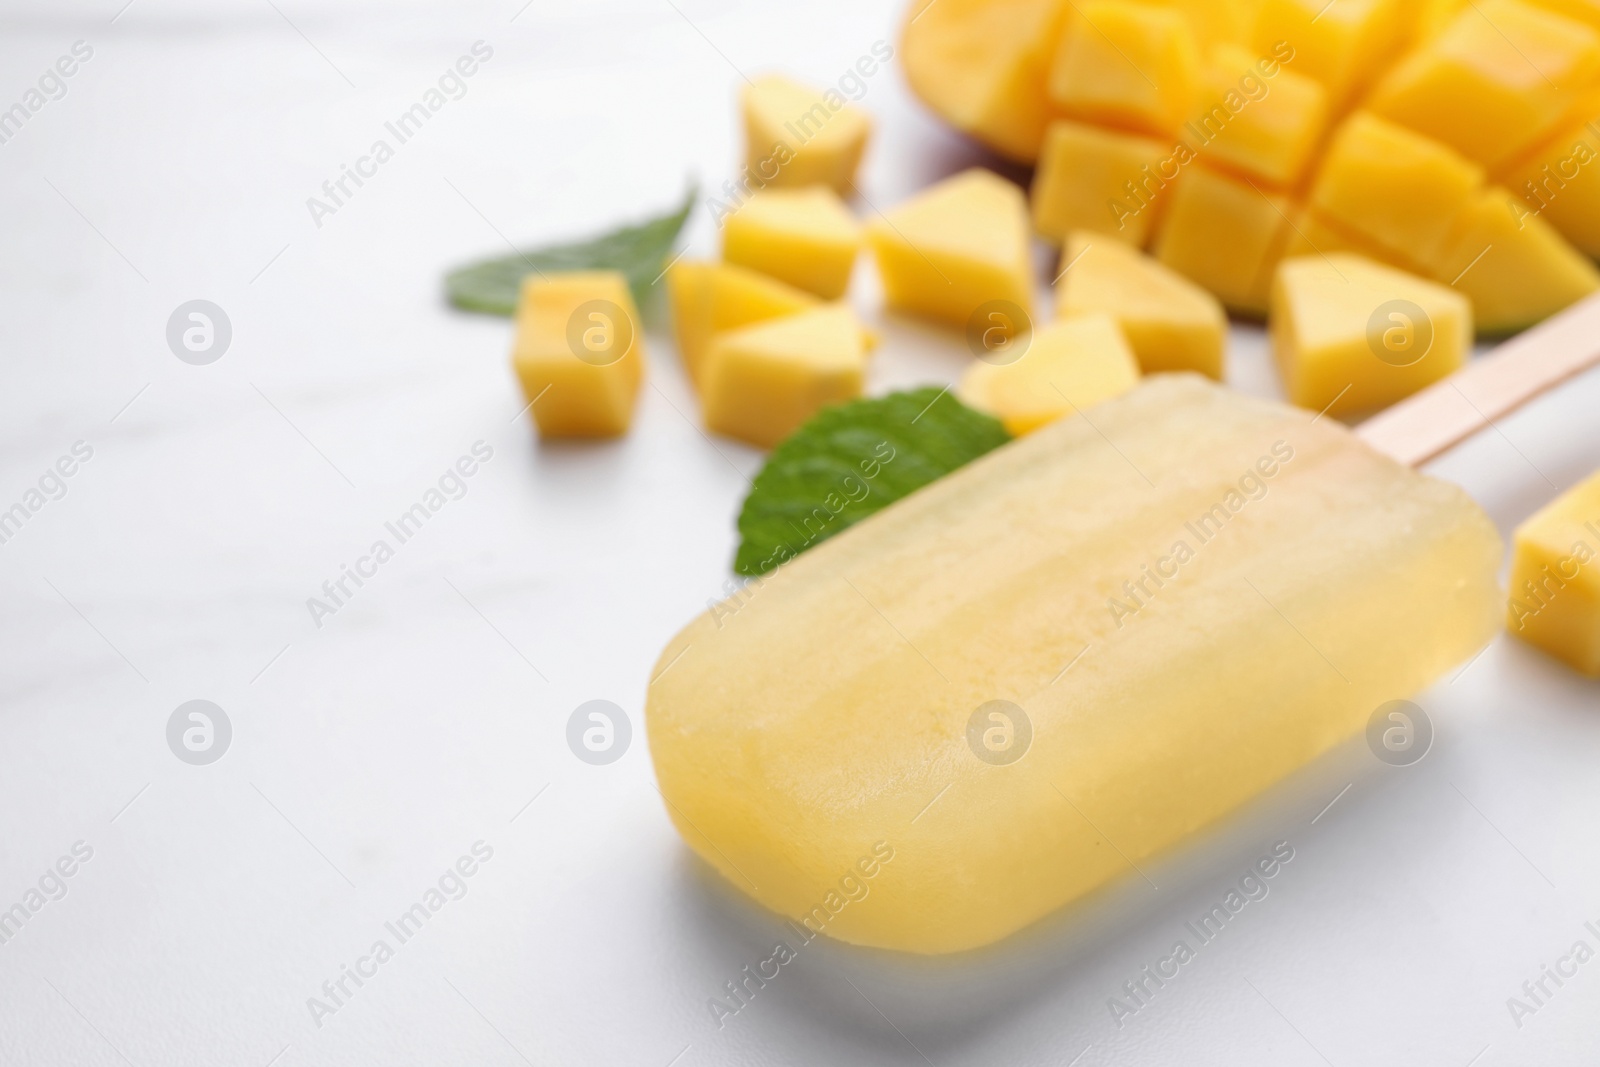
(426, 717)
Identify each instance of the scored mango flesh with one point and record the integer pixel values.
(1165, 686)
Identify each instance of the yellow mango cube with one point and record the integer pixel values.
(1069, 366)
(1170, 323)
(954, 247)
(797, 135)
(763, 381)
(708, 298)
(1394, 186)
(1225, 235)
(1555, 579)
(1516, 269)
(1261, 125)
(982, 65)
(1351, 335)
(1341, 44)
(1102, 180)
(1494, 83)
(579, 353)
(1560, 182)
(1126, 64)
(806, 237)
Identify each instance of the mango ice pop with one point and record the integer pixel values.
(1173, 606)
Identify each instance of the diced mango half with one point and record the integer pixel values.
(763, 381)
(1127, 65)
(1226, 235)
(1258, 117)
(796, 135)
(1555, 579)
(1341, 44)
(1353, 335)
(1170, 323)
(708, 298)
(1515, 267)
(1496, 82)
(954, 247)
(579, 353)
(1560, 181)
(1069, 366)
(1091, 178)
(982, 64)
(806, 237)
(1394, 186)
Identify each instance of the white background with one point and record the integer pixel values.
(370, 753)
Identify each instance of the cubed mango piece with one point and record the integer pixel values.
(763, 381)
(1560, 182)
(1226, 235)
(1555, 579)
(1517, 270)
(982, 65)
(708, 298)
(1394, 186)
(1263, 126)
(806, 237)
(797, 135)
(1126, 64)
(1496, 82)
(954, 247)
(1214, 22)
(1069, 366)
(1102, 180)
(579, 353)
(1352, 335)
(1342, 44)
(1170, 323)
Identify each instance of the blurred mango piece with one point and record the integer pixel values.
(763, 381)
(805, 237)
(1090, 178)
(797, 135)
(1128, 65)
(982, 65)
(1068, 366)
(1555, 579)
(1352, 335)
(1495, 82)
(579, 353)
(708, 298)
(1225, 234)
(955, 246)
(1170, 323)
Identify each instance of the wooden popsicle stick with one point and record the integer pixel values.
(1448, 412)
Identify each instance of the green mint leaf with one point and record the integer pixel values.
(851, 461)
(639, 251)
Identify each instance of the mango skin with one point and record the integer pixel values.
(828, 710)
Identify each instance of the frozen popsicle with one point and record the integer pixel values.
(1061, 661)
